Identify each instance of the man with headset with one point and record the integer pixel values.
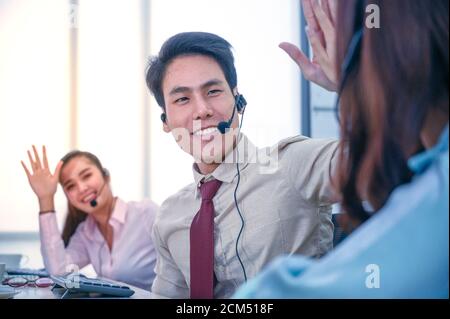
(240, 212)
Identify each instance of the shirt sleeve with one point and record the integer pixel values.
(57, 258)
(169, 281)
(152, 209)
(310, 166)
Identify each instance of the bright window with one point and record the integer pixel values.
(115, 117)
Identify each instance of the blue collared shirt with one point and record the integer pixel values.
(401, 252)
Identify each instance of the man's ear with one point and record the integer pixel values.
(235, 91)
(166, 127)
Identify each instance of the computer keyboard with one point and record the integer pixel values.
(27, 272)
(79, 283)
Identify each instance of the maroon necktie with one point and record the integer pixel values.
(202, 244)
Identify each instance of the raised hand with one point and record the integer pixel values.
(322, 70)
(42, 181)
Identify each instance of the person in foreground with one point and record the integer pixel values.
(100, 229)
(393, 156)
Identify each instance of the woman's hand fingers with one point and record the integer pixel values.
(299, 57)
(36, 156)
(322, 37)
(32, 163)
(58, 170)
(26, 170)
(332, 6)
(43, 183)
(311, 19)
(327, 8)
(324, 22)
(35, 163)
(320, 54)
(312, 72)
(309, 15)
(44, 157)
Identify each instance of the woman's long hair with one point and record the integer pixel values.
(400, 76)
(76, 216)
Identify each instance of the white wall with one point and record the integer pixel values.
(34, 100)
(110, 87)
(34, 87)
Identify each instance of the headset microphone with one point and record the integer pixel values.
(224, 126)
(240, 104)
(93, 202)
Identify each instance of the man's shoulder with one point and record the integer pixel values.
(302, 144)
(290, 141)
(176, 201)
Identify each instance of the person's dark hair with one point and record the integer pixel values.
(185, 44)
(74, 215)
(401, 76)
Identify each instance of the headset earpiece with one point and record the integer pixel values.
(105, 172)
(163, 117)
(240, 103)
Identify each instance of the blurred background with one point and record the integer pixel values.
(72, 76)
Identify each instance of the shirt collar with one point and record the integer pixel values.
(227, 171)
(420, 162)
(118, 218)
(120, 211)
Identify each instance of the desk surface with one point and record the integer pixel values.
(29, 292)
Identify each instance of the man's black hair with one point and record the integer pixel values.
(185, 44)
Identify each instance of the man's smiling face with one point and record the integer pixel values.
(197, 97)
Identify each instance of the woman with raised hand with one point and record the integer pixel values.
(394, 106)
(100, 228)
